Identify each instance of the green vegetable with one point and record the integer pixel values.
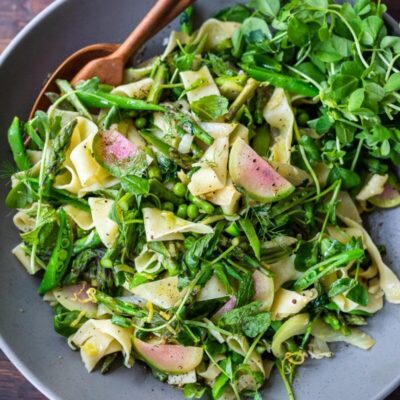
(182, 211)
(325, 267)
(286, 82)
(140, 122)
(192, 211)
(209, 108)
(251, 235)
(60, 256)
(68, 322)
(66, 88)
(119, 306)
(107, 100)
(168, 206)
(179, 189)
(90, 241)
(156, 89)
(186, 20)
(204, 205)
(17, 146)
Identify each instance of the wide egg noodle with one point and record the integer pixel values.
(82, 218)
(294, 326)
(98, 338)
(82, 172)
(389, 282)
(213, 289)
(148, 261)
(25, 259)
(356, 337)
(227, 198)
(138, 90)
(280, 117)
(106, 228)
(240, 345)
(287, 302)
(216, 32)
(207, 86)
(213, 172)
(163, 293)
(374, 186)
(163, 225)
(284, 271)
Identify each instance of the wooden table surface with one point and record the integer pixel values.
(14, 15)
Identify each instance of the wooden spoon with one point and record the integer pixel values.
(106, 60)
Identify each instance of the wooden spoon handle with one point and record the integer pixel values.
(159, 16)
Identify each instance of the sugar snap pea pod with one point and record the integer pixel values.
(119, 306)
(186, 21)
(87, 242)
(286, 82)
(31, 132)
(107, 100)
(66, 88)
(60, 257)
(17, 146)
(157, 188)
(325, 267)
(204, 205)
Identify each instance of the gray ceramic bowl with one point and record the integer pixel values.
(27, 335)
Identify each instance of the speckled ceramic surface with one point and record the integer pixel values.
(26, 332)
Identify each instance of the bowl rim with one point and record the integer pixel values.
(7, 350)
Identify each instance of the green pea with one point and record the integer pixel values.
(154, 172)
(182, 211)
(179, 189)
(303, 118)
(192, 211)
(168, 206)
(140, 122)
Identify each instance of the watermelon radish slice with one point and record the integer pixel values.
(115, 153)
(250, 171)
(389, 198)
(228, 306)
(171, 358)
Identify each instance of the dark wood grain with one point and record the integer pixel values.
(14, 15)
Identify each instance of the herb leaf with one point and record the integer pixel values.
(211, 107)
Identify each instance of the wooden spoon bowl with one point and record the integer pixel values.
(107, 61)
(69, 68)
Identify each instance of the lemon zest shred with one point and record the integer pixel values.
(76, 321)
(165, 315)
(91, 293)
(150, 309)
